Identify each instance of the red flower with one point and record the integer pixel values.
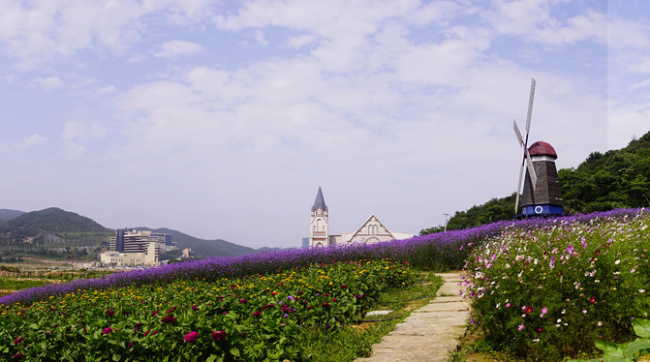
(243, 301)
(109, 312)
(257, 314)
(218, 335)
(154, 313)
(18, 340)
(107, 330)
(325, 304)
(168, 319)
(18, 355)
(529, 310)
(334, 300)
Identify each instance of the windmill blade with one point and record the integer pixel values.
(530, 105)
(521, 174)
(531, 170)
(517, 133)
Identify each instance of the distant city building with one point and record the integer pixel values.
(136, 247)
(371, 231)
(187, 253)
(148, 258)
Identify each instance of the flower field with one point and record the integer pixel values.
(550, 290)
(541, 288)
(256, 317)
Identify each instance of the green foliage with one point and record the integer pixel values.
(255, 318)
(616, 179)
(614, 352)
(492, 211)
(549, 292)
(603, 182)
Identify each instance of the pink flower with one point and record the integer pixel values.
(191, 337)
(107, 330)
(521, 326)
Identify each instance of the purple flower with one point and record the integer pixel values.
(191, 337)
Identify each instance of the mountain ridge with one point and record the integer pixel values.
(26, 230)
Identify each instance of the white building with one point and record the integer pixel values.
(149, 258)
(371, 231)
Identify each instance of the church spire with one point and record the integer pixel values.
(320, 201)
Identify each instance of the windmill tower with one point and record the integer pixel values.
(319, 233)
(541, 194)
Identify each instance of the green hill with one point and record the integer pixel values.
(615, 179)
(53, 220)
(52, 225)
(206, 248)
(6, 214)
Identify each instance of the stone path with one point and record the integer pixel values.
(430, 332)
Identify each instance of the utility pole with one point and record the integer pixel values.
(446, 221)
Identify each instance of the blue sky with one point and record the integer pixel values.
(221, 119)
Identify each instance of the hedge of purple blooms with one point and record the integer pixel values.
(440, 252)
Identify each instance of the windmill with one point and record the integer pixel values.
(541, 194)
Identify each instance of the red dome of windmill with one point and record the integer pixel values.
(542, 148)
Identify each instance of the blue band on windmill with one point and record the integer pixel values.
(541, 194)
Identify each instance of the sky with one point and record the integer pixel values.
(221, 119)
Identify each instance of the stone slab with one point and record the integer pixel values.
(449, 289)
(447, 299)
(378, 312)
(444, 307)
(412, 348)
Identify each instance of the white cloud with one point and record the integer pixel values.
(82, 131)
(47, 84)
(34, 34)
(32, 141)
(176, 48)
(533, 19)
(301, 40)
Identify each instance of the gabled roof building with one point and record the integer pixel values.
(371, 231)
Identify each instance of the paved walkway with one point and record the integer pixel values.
(430, 332)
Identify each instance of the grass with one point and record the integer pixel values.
(356, 340)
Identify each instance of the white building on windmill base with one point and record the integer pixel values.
(371, 231)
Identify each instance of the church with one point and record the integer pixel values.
(371, 231)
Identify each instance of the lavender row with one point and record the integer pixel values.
(441, 251)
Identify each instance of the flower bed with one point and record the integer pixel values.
(548, 291)
(249, 318)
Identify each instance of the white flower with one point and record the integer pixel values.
(641, 290)
(600, 323)
(617, 262)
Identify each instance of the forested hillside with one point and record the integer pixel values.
(46, 226)
(615, 179)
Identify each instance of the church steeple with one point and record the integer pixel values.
(319, 233)
(320, 201)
